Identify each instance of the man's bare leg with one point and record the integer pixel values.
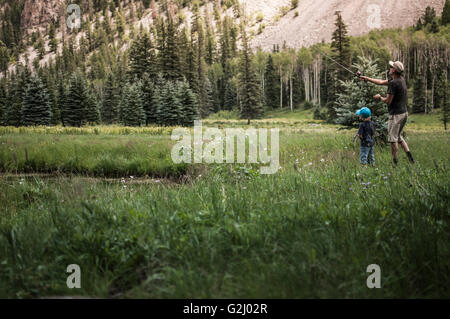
(404, 146)
(394, 150)
(408, 152)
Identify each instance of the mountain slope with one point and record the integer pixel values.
(315, 20)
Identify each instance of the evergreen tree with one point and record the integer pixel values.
(429, 16)
(419, 94)
(36, 108)
(189, 102)
(148, 90)
(131, 108)
(249, 87)
(142, 57)
(92, 110)
(16, 89)
(4, 57)
(53, 43)
(357, 94)
(172, 63)
(76, 101)
(434, 27)
(272, 85)
(440, 88)
(62, 94)
(169, 110)
(446, 105)
(230, 98)
(3, 101)
(109, 110)
(445, 19)
(340, 45)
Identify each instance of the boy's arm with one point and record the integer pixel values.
(360, 131)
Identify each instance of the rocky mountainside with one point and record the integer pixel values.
(40, 13)
(313, 20)
(271, 21)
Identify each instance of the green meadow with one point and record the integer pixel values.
(111, 200)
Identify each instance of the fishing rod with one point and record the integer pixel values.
(357, 74)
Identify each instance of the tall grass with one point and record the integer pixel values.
(310, 230)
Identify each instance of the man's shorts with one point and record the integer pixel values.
(396, 124)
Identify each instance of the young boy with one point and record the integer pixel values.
(366, 132)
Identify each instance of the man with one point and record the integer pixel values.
(397, 101)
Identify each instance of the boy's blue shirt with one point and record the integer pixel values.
(367, 130)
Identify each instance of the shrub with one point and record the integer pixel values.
(308, 105)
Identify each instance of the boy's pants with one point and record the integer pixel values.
(367, 155)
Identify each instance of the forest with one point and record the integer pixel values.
(171, 72)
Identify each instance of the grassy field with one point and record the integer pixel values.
(110, 200)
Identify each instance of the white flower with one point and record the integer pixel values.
(310, 163)
(131, 177)
(322, 160)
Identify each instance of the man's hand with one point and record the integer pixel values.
(363, 78)
(377, 97)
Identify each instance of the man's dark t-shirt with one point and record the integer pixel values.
(367, 131)
(397, 87)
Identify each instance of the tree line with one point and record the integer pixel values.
(174, 71)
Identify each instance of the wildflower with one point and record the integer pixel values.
(322, 160)
(310, 163)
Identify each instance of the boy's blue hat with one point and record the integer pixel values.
(364, 112)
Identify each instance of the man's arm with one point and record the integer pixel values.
(388, 99)
(375, 81)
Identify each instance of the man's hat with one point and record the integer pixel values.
(364, 112)
(397, 65)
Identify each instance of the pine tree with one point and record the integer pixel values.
(109, 110)
(76, 100)
(148, 90)
(189, 102)
(446, 105)
(131, 108)
(16, 89)
(272, 86)
(53, 43)
(356, 94)
(429, 16)
(4, 57)
(419, 94)
(92, 110)
(36, 109)
(142, 57)
(173, 67)
(62, 94)
(3, 101)
(445, 19)
(340, 45)
(169, 112)
(230, 97)
(439, 91)
(249, 87)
